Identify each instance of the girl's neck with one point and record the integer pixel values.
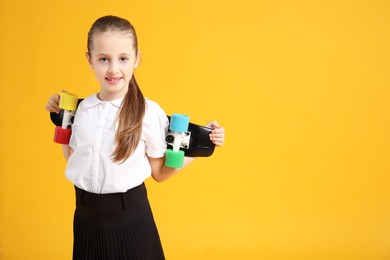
(109, 97)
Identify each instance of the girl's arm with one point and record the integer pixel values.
(67, 151)
(160, 172)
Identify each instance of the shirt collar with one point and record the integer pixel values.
(93, 100)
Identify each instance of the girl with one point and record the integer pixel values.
(118, 141)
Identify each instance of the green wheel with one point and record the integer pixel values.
(68, 101)
(174, 159)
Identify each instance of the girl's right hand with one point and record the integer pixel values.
(53, 104)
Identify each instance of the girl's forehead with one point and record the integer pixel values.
(113, 40)
(112, 36)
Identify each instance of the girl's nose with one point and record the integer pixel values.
(113, 69)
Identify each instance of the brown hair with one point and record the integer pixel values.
(132, 110)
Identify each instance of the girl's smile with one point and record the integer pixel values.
(113, 80)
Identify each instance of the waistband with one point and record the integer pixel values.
(112, 208)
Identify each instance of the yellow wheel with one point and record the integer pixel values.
(68, 101)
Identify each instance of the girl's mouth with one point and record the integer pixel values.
(113, 80)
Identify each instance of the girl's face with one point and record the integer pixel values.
(113, 59)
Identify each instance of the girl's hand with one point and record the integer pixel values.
(53, 104)
(217, 135)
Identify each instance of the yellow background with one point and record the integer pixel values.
(302, 88)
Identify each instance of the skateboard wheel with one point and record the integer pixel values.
(179, 123)
(174, 159)
(68, 101)
(61, 135)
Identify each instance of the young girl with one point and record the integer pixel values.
(118, 141)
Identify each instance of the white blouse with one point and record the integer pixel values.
(90, 167)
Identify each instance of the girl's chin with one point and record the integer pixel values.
(114, 90)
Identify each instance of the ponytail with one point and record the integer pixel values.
(129, 121)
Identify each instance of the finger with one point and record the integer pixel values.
(212, 124)
(53, 104)
(217, 140)
(54, 100)
(218, 143)
(51, 108)
(55, 97)
(218, 130)
(217, 137)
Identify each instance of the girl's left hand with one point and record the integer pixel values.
(217, 135)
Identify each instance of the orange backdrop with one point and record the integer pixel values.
(302, 88)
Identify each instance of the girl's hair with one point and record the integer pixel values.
(132, 110)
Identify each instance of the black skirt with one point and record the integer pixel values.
(117, 226)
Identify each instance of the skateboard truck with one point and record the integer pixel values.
(63, 131)
(186, 139)
(177, 137)
(182, 138)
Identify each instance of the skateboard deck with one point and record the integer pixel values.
(198, 141)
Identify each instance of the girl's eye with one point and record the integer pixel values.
(124, 59)
(103, 59)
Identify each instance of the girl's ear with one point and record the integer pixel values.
(137, 59)
(88, 59)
